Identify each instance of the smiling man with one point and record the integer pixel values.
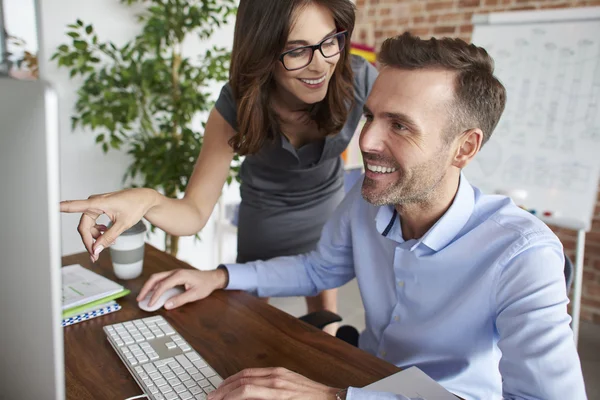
(468, 287)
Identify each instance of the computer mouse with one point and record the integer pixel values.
(143, 304)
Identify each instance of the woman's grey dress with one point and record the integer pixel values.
(288, 194)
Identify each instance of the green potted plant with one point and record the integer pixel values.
(143, 96)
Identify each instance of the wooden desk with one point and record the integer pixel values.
(231, 330)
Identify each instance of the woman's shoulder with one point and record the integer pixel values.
(365, 74)
(226, 105)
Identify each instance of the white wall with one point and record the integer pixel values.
(85, 169)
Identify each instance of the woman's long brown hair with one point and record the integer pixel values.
(261, 32)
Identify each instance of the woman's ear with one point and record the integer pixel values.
(469, 144)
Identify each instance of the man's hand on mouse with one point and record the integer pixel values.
(198, 285)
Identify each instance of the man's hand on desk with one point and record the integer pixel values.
(271, 384)
(198, 285)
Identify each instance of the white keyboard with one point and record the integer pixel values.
(162, 363)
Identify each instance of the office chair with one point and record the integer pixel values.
(568, 273)
(349, 334)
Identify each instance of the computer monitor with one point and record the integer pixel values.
(31, 337)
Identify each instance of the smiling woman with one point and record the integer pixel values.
(292, 104)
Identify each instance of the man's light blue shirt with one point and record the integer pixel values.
(478, 303)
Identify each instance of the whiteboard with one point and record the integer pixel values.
(546, 147)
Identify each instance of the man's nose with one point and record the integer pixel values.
(372, 138)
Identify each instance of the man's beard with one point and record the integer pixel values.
(416, 185)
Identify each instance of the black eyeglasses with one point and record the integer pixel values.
(300, 57)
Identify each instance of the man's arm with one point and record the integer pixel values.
(539, 358)
(330, 265)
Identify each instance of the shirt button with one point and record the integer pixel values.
(401, 283)
(396, 318)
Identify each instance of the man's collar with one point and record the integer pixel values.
(443, 231)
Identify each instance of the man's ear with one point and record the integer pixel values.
(469, 143)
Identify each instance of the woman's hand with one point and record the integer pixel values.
(198, 285)
(271, 383)
(124, 208)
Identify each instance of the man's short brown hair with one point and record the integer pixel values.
(479, 96)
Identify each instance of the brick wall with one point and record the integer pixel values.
(438, 18)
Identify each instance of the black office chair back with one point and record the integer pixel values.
(568, 273)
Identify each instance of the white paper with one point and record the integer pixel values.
(413, 383)
(81, 286)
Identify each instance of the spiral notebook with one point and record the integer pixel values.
(93, 312)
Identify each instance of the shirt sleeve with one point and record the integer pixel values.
(539, 357)
(364, 78)
(226, 105)
(330, 265)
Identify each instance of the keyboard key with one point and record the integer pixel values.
(186, 395)
(153, 389)
(170, 361)
(149, 368)
(167, 330)
(185, 347)
(142, 359)
(190, 384)
(139, 369)
(198, 378)
(159, 396)
(171, 396)
(155, 375)
(179, 370)
(195, 390)
(192, 356)
(201, 396)
(166, 389)
(153, 356)
(145, 345)
(119, 342)
(215, 380)
(207, 372)
(164, 369)
(174, 382)
(179, 388)
(200, 363)
(138, 338)
(160, 382)
(192, 370)
(184, 377)
(183, 361)
(169, 375)
(143, 375)
(170, 345)
(209, 389)
(204, 383)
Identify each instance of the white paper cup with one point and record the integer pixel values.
(128, 252)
